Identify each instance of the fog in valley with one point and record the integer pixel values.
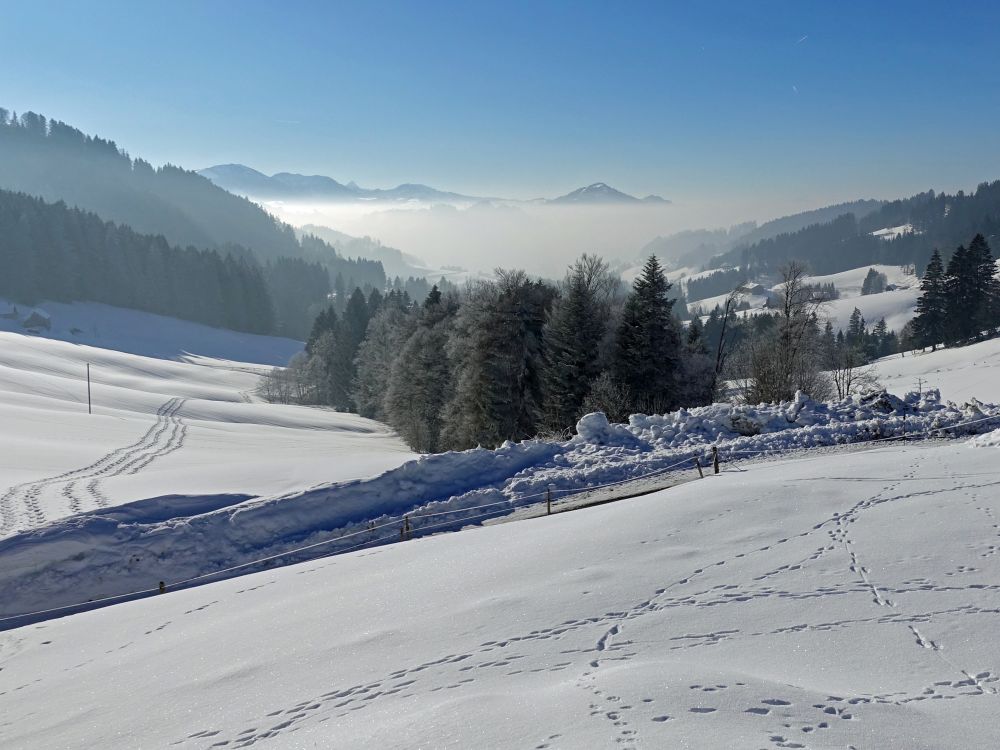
(539, 237)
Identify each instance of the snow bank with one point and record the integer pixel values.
(989, 440)
(111, 552)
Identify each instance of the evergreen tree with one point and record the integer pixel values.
(930, 323)
(961, 295)
(648, 351)
(986, 314)
(325, 322)
(856, 328)
(384, 339)
(420, 381)
(496, 347)
(874, 283)
(573, 336)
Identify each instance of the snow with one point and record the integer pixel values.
(891, 233)
(845, 599)
(849, 283)
(111, 552)
(960, 373)
(161, 426)
(147, 334)
(989, 440)
(896, 306)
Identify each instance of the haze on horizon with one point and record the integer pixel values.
(733, 112)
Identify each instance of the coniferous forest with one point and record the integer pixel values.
(177, 215)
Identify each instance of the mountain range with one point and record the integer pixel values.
(288, 186)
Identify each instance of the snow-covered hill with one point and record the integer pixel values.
(961, 373)
(160, 426)
(832, 601)
(896, 306)
(143, 333)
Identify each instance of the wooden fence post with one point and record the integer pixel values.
(697, 462)
(163, 587)
(548, 500)
(715, 458)
(404, 532)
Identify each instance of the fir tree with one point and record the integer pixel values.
(961, 296)
(932, 305)
(648, 352)
(420, 381)
(572, 337)
(986, 313)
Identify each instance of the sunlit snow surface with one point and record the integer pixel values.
(189, 425)
(827, 601)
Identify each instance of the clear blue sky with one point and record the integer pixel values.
(803, 101)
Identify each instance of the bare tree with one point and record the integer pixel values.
(774, 365)
(850, 375)
(733, 299)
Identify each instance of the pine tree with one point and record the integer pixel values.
(419, 384)
(572, 337)
(856, 328)
(874, 283)
(648, 351)
(325, 322)
(496, 348)
(986, 313)
(384, 339)
(961, 295)
(932, 305)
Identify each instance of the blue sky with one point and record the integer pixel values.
(796, 103)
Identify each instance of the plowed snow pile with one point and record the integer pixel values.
(113, 552)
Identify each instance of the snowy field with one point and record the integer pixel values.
(960, 374)
(896, 306)
(831, 601)
(188, 425)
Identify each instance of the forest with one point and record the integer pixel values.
(516, 357)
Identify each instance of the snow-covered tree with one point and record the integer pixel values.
(419, 383)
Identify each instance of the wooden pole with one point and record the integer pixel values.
(715, 458)
(89, 407)
(697, 462)
(548, 500)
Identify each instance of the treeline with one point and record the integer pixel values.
(505, 359)
(961, 302)
(937, 220)
(515, 357)
(720, 282)
(52, 252)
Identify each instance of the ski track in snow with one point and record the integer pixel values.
(614, 712)
(21, 506)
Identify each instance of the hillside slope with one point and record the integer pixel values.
(760, 608)
(160, 426)
(960, 373)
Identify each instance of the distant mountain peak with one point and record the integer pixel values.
(601, 192)
(243, 180)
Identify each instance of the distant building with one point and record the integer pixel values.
(37, 321)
